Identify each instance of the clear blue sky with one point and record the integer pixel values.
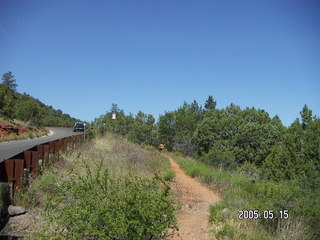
(81, 56)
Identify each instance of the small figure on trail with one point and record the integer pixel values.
(161, 146)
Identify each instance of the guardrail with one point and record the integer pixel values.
(14, 169)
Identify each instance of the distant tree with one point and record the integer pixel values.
(176, 128)
(9, 81)
(276, 121)
(312, 144)
(114, 108)
(7, 102)
(210, 104)
(217, 128)
(249, 134)
(278, 130)
(167, 129)
(142, 130)
(185, 145)
(306, 116)
(187, 118)
(220, 159)
(295, 137)
(233, 109)
(29, 111)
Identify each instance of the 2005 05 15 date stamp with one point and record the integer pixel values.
(265, 214)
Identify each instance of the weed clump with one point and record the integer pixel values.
(104, 205)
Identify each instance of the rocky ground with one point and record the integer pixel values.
(20, 225)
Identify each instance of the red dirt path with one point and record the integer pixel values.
(196, 200)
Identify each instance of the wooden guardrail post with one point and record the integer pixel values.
(56, 148)
(46, 154)
(14, 171)
(9, 166)
(51, 147)
(40, 150)
(35, 163)
(18, 173)
(27, 158)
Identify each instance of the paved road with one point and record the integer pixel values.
(10, 149)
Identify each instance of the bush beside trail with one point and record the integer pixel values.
(241, 190)
(108, 189)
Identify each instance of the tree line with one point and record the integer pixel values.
(14, 105)
(229, 137)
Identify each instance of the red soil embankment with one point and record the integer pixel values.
(7, 130)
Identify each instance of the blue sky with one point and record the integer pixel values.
(81, 56)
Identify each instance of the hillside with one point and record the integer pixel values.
(14, 105)
(17, 130)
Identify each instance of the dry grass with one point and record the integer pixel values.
(29, 135)
(292, 230)
(116, 153)
(16, 122)
(121, 158)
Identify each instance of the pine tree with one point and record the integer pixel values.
(210, 104)
(9, 81)
(306, 116)
(114, 108)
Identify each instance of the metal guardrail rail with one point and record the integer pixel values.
(12, 170)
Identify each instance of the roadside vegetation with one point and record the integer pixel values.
(23, 107)
(258, 163)
(108, 188)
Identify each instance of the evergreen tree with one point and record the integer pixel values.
(210, 104)
(306, 116)
(7, 102)
(278, 164)
(167, 129)
(114, 108)
(9, 81)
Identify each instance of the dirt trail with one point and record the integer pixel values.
(196, 200)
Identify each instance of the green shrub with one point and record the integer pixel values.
(103, 205)
(278, 165)
(249, 170)
(220, 159)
